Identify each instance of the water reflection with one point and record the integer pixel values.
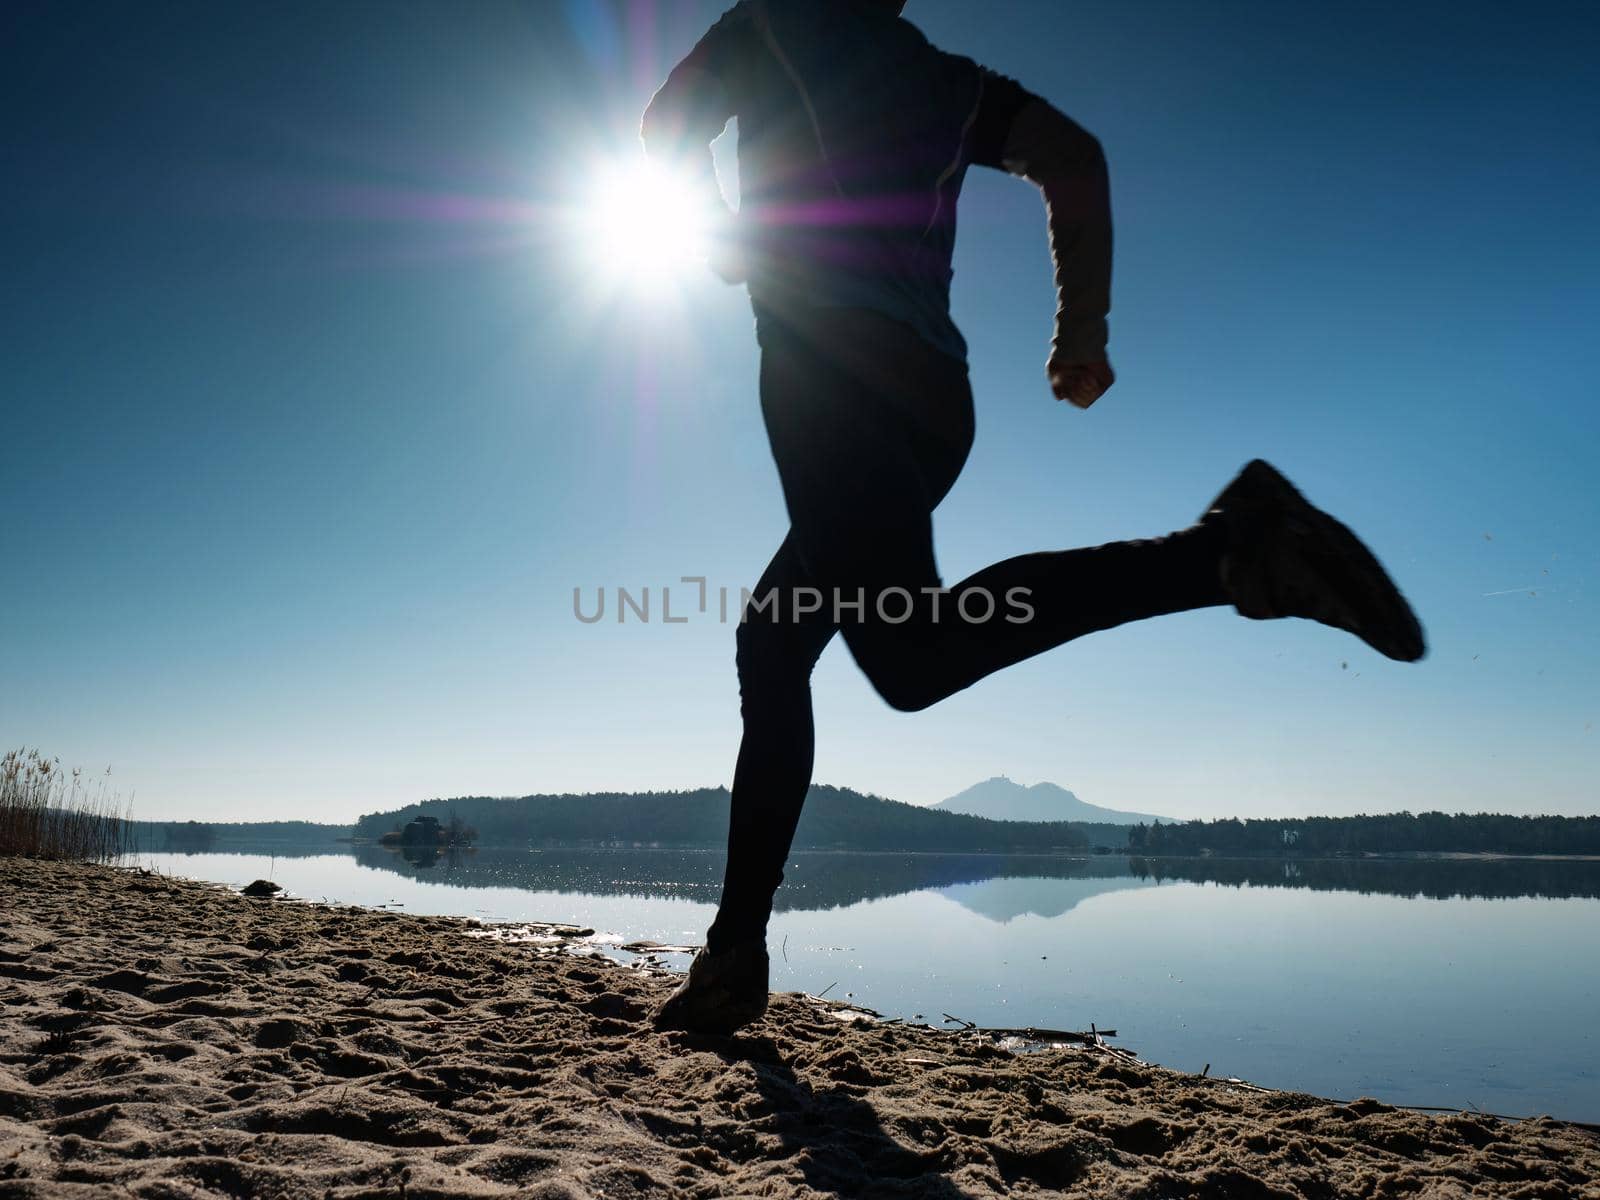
(1426, 878)
(422, 856)
(998, 886)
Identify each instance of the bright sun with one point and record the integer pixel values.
(644, 226)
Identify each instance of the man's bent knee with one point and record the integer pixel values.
(769, 656)
(904, 697)
(906, 685)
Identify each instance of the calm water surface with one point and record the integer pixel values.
(1468, 984)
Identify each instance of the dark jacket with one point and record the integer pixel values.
(855, 135)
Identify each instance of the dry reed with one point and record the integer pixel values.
(48, 812)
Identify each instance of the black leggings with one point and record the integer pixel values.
(870, 428)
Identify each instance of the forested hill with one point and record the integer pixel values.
(1390, 833)
(834, 819)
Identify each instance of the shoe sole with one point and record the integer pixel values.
(1343, 565)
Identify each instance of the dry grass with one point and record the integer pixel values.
(49, 812)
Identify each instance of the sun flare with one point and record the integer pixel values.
(644, 225)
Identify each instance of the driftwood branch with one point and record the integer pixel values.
(1034, 1034)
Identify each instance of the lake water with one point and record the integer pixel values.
(1458, 983)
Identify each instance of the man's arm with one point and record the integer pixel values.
(687, 114)
(1018, 132)
(688, 111)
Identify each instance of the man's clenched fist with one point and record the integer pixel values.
(1081, 383)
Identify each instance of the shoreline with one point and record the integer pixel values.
(345, 845)
(178, 1039)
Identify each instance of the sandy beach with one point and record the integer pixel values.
(166, 1038)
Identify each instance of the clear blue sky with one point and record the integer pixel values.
(318, 407)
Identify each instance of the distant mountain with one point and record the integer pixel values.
(1002, 799)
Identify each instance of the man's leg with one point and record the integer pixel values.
(727, 982)
(1023, 606)
(1261, 547)
(815, 414)
(776, 654)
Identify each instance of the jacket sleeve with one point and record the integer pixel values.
(1016, 131)
(691, 108)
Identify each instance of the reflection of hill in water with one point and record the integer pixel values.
(997, 886)
(812, 880)
(1007, 898)
(244, 846)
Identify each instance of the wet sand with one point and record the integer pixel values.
(164, 1038)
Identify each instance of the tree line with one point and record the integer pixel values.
(1387, 833)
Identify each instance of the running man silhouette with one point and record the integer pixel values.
(854, 136)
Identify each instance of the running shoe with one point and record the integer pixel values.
(722, 992)
(1287, 558)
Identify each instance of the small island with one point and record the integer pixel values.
(429, 832)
